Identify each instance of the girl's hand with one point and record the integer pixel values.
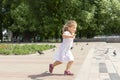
(73, 35)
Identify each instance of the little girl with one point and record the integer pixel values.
(64, 53)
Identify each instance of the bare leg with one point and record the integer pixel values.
(51, 66)
(68, 65)
(56, 63)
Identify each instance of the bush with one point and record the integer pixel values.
(8, 49)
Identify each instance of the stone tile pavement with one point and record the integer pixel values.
(35, 66)
(100, 65)
(93, 61)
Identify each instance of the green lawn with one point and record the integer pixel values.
(16, 49)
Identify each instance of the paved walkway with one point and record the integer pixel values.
(91, 63)
(101, 63)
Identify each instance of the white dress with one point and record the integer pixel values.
(64, 53)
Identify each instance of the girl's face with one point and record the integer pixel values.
(72, 29)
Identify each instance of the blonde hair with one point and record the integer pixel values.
(69, 23)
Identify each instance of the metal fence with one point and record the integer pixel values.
(109, 40)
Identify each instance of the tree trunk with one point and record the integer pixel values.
(28, 37)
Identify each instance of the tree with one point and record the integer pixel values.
(5, 17)
(113, 25)
(1, 21)
(45, 18)
(53, 14)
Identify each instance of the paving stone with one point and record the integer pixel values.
(102, 68)
(104, 76)
(114, 76)
(110, 67)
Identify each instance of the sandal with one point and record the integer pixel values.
(68, 73)
(50, 68)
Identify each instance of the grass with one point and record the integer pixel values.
(9, 49)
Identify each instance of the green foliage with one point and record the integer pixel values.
(21, 16)
(45, 18)
(22, 49)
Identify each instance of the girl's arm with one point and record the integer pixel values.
(69, 36)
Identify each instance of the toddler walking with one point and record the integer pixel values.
(64, 53)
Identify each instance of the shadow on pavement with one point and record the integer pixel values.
(44, 74)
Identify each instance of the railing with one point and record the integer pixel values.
(98, 40)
